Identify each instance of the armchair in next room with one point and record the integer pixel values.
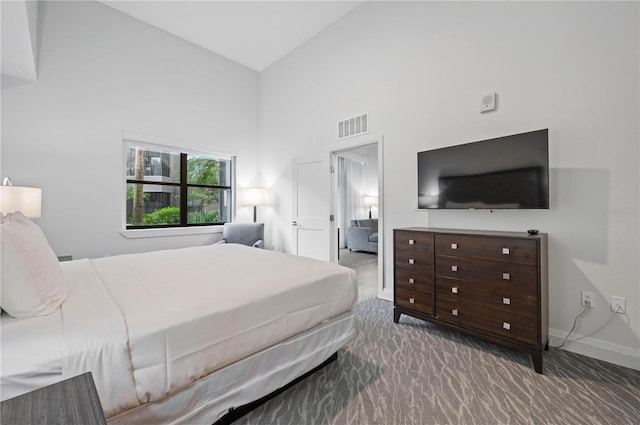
(362, 235)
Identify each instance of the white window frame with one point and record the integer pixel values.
(160, 143)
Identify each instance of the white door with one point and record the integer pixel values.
(311, 204)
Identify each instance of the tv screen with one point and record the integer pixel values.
(501, 173)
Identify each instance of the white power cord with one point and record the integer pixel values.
(587, 305)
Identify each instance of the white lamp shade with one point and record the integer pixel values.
(253, 196)
(27, 200)
(370, 201)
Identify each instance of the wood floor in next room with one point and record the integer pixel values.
(366, 266)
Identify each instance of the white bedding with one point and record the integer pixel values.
(149, 325)
(31, 353)
(94, 337)
(209, 398)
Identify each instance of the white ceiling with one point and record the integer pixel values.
(253, 33)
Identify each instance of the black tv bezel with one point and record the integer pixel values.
(546, 194)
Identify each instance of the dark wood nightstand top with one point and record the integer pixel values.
(69, 402)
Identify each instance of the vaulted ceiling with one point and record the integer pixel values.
(253, 33)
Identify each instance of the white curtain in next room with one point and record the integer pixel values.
(351, 188)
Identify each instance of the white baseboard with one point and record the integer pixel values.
(387, 294)
(598, 349)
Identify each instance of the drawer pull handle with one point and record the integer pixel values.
(412, 261)
(411, 280)
(454, 268)
(506, 326)
(454, 289)
(454, 312)
(454, 246)
(505, 251)
(411, 242)
(506, 301)
(412, 300)
(506, 276)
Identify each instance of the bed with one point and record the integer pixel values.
(183, 336)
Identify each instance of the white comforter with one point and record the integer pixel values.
(150, 324)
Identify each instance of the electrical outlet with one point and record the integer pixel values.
(618, 304)
(587, 298)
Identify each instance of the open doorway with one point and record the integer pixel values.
(357, 207)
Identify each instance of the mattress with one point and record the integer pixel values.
(150, 326)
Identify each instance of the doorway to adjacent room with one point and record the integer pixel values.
(357, 207)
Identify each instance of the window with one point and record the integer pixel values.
(170, 188)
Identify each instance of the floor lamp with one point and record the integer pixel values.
(254, 197)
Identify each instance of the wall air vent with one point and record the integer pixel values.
(353, 126)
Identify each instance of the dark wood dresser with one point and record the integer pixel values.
(490, 285)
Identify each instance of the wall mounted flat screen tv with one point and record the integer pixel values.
(510, 172)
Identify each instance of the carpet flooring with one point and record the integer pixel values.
(418, 373)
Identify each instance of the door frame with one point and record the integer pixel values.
(379, 141)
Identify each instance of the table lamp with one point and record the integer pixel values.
(370, 201)
(27, 200)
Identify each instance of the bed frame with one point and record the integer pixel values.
(238, 412)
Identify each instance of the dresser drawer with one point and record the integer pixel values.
(414, 300)
(414, 242)
(508, 250)
(447, 310)
(508, 325)
(504, 298)
(495, 322)
(488, 272)
(414, 262)
(422, 282)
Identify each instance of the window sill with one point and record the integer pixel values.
(171, 231)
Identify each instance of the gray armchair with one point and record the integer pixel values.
(250, 234)
(362, 235)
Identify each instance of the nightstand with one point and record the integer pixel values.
(68, 402)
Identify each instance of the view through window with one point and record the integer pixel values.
(170, 188)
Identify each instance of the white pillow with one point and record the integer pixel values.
(32, 279)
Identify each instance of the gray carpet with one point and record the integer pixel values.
(418, 373)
